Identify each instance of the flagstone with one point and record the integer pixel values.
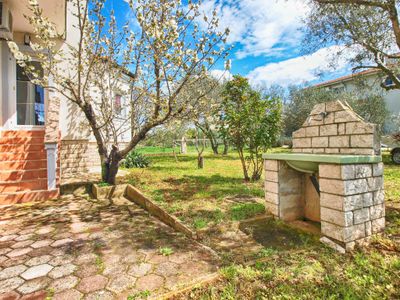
(34, 285)
(41, 243)
(68, 295)
(64, 283)
(36, 271)
(12, 271)
(92, 283)
(19, 252)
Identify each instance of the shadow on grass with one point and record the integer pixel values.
(214, 186)
(276, 235)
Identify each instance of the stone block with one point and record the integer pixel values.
(331, 201)
(336, 217)
(361, 215)
(379, 196)
(378, 225)
(271, 187)
(333, 231)
(359, 128)
(271, 165)
(299, 133)
(339, 141)
(319, 108)
(271, 176)
(375, 183)
(333, 106)
(272, 198)
(368, 228)
(320, 142)
(318, 150)
(377, 211)
(363, 171)
(345, 188)
(302, 143)
(337, 171)
(357, 201)
(362, 141)
(307, 150)
(354, 232)
(377, 169)
(342, 128)
(272, 208)
(332, 244)
(331, 150)
(329, 119)
(330, 171)
(346, 116)
(312, 131)
(313, 121)
(327, 130)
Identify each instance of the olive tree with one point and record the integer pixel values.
(251, 123)
(301, 100)
(162, 47)
(369, 28)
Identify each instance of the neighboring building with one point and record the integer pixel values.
(41, 141)
(368, 81)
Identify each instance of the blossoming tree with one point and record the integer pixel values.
(165, 47)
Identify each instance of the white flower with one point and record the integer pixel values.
(19, 56)
(33, 3)
(13, 47)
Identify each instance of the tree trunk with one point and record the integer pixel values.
(110, 166)
(200, 162)
(214, 146)
(226, 147)
(245, 172)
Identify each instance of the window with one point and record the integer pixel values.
(30, 99)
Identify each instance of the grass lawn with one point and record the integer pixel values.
(304, 270)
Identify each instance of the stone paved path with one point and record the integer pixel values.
(74, 248)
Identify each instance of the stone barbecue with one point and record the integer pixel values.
(334, 176)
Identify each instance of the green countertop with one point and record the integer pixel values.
(324, 158)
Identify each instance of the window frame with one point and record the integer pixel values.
(45, 95)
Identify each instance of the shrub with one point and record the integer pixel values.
(136, 160)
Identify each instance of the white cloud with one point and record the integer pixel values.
(222, 75)
(300, 69)
(260, 26)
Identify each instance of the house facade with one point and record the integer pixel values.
(41, 142)
(368, 81)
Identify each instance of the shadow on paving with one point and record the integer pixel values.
(76, 247)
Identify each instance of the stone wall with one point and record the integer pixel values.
(352, 202)
(286, 192)
(79, 156)
(334, 128)
(74, 157)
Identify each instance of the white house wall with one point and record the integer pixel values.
(392, 98)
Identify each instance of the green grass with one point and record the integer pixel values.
(304, 269)
(246, 210)
(199, 197)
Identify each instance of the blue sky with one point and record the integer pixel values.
(267, 36)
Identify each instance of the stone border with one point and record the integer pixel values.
(108, 192)
(134, 195)
(207, 280)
